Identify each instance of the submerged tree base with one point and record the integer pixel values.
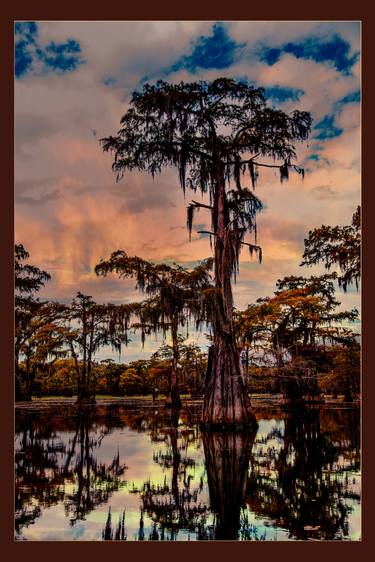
(22, 398)
(173, 405)
(226, 401)
(303, 402)
(173, 400)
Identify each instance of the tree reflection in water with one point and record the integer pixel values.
(38, 479)
(119, 534)
(297, 476)
(95, 482)
(303, 486)
(227, 457)
(174, 505)
(50, 471)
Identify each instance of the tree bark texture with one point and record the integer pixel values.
(173, 399)
(226, 401)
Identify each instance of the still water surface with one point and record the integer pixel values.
(138, 472)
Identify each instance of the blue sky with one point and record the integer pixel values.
(333, 50)
(33, 57)
(73, 82)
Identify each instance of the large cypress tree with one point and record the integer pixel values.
(213, 132)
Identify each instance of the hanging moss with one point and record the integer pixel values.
(284, 172)
(253, 171)
(190, 217)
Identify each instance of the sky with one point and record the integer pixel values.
(73, 83)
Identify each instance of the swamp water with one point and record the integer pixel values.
(135, 471)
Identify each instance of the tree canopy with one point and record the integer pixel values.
(173, 290)
(90, 327)
(301, 313)
(337, 246)
(209, 131)
(29, 279)
(175, 295)
(187, 124)
(37, 333)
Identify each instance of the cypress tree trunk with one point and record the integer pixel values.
(28, 386)
(17, 390)
(85, 397)
(84, 394)
(173, 399)
(18, 393)
(226, 401)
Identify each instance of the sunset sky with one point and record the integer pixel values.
(73, 82)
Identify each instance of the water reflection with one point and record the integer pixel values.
(137, 473)
(174, 503)
(95, 482)
(227, 461)
(305, 482)
(56, 463)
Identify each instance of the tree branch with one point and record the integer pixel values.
(246, 161)
(265, 165)
(244, 243)
(197, 204)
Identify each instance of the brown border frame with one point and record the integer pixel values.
(295, 11)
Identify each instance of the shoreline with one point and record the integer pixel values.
(257, 400)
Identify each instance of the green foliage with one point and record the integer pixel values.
(192, 365)
(107, 376)
(131, 383)
(344, 373)
(261, 380)
(59, 380)
(289, 332)
(39, 332)
(92, 326)
(337, 246)
(139, 377)
(301, 314)
(28, 278)
(174, 291)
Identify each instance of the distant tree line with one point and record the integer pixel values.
(296, 342)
